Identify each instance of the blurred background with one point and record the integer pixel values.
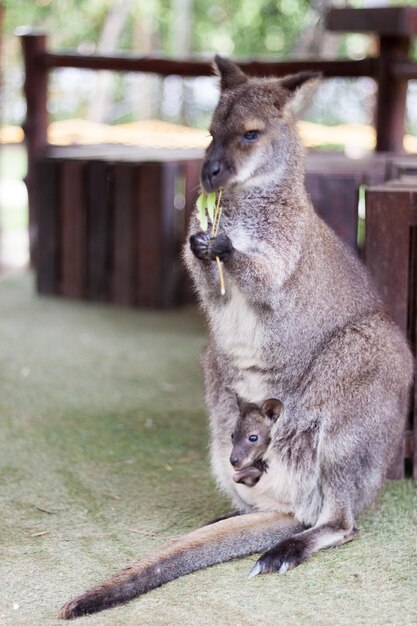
(93, 107)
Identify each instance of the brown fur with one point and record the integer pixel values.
(191, 552)
(300, 321)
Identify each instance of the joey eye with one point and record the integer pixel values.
(231, 436)
(253, 438)
(251, 135)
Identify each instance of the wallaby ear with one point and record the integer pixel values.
(230, 74)
(272, 408)
(292, 82)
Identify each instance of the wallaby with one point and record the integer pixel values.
(300, 321)
(251, 438)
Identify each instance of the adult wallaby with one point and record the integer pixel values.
(300, 321)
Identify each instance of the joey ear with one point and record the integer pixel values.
(292, 82)
(242, 404)
(230, 74)
(272, 408)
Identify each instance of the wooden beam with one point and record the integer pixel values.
(380, 20)
(192, 67)
(404, 69)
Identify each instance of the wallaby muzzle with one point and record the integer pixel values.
(217, 167)
(241, 457)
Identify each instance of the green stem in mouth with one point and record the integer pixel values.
(215, 232)
(217, 215)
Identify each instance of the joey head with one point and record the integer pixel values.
(251, 438)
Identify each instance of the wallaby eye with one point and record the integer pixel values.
(253, 438)
(231, 436)
(251, 135)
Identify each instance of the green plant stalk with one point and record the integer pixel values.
(214, 233)
(205, 207)
(217, 214)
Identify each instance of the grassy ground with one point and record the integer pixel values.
(102, 434)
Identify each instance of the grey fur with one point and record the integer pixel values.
(301, 322)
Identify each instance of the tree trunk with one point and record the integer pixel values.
(113, 26)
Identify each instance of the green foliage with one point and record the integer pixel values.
(248, 28)
(240, 28)
(208, 205)
(232, 27)
(67, 23)
(201, 210)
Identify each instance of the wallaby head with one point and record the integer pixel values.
(252, 133)
(252, 434)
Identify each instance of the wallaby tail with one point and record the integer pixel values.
(221, 541)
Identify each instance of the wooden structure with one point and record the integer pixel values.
(112, 229)
(392, 68)
(109, 227)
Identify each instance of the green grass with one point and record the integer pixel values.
(102, 424)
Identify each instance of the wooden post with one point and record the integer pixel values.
(36, 123)
(395, 27)
(392, 95)
(390, 214)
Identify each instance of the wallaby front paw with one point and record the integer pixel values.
(206, 248)
(221, 246)
(199, 244)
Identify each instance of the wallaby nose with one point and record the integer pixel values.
(234, 460)
(211, 173)
(214, 169)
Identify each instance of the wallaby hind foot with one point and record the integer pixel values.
(291, 552)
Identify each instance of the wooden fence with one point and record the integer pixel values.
(392, 68)
(111, 229)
